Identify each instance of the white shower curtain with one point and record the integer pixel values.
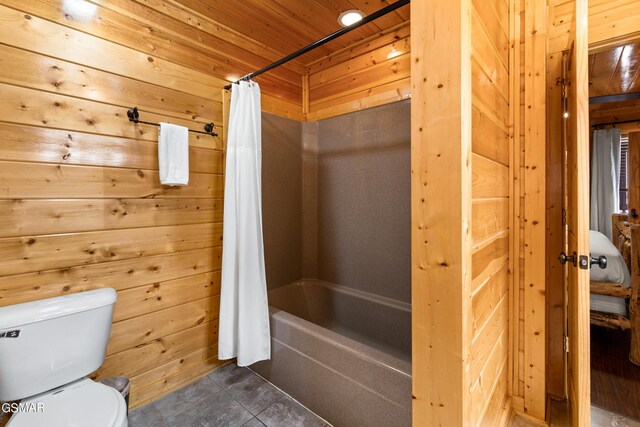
(605, 179)
(244, 315)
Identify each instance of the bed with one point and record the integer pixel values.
(615, 289)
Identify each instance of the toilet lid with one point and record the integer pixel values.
(84, 403)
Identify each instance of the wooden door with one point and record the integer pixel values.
(634, 177)
(577, 214)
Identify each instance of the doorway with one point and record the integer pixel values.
(614, 115)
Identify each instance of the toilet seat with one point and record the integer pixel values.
(83, 403)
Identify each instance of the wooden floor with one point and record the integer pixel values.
(559, 417)
(615, 382)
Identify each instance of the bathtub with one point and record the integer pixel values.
(344, 354)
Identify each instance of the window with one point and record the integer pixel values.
(624, 151)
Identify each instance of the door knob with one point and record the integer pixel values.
(573, 259)
(601, 261)
(634, 214)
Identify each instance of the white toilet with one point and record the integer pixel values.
(47, 348)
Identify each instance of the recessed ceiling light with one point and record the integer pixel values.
(350, 17)
(393, 53)
(80, 10)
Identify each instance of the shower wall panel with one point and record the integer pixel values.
(363, 198)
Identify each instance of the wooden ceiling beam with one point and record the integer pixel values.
(618, 97)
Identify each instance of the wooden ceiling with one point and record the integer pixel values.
(612, 112)
(612, 72)
(615, 71)
(288, 25)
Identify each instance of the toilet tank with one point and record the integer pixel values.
(48, 343)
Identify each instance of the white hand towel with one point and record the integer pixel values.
(173, 154)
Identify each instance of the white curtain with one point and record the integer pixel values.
(244, 313)
(605, 179)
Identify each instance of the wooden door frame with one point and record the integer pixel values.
(557, 381)
(579, 323)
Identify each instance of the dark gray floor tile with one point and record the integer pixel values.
(179, 400)
(253, 422)
(246, 387)
(229, 375)
(146, 416)
(254, 393)
(218, 409)
(288, 413)
(230, 396)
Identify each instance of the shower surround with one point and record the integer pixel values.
(336, 218)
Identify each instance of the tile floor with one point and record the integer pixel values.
(229, 396)
(237, 397)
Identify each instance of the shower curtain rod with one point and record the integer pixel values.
(325, 39)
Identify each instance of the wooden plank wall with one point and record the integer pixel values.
(462, 146)
(441, 261)
(373, 72)
(533, 215)
(609, 22)
(529, 367)
(528, 329)
(554, 272)
(491, 121)
(608, 19)
(80, 202)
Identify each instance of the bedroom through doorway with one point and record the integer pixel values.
(614, 189)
